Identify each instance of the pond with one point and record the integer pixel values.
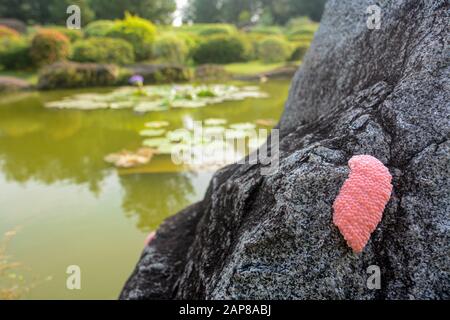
(70, 207)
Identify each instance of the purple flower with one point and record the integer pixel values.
(136, 79)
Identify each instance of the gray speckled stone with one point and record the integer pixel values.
(379, 92)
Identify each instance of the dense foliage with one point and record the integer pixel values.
(137, 31)
(220, 49)
(170, 48)
(273, 49)
(48, 46)
(103, 50)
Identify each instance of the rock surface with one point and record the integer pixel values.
(381, 92)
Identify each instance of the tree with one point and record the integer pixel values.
(244, 11)
(43, 11)
(158, 11)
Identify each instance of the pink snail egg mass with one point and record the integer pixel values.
(359, 206)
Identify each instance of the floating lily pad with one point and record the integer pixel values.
(179, 135)
(152, 132)
(158, 98)
(215, 122)
(155, 142)
(157, 124)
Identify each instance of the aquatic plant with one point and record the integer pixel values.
(158, 98)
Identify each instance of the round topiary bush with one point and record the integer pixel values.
(171, 49)
(273, 49)
(103, 50)
(15, 53)
(48, 46)
(6, 32)
(220, 49)
(137, 31)
(72, 34)
(99, 28)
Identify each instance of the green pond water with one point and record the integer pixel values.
(70, 207)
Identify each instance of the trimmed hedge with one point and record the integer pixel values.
(15, 24)
(273, 49)
(157, 73)
(170, 48)
(220, 49)
(300, 51)
(77, 75)
(137, 31)
(15, 53)
(103, 50)
(48, 46)
(72, 34)
(223, 29)
(99, 28)
(6, 32)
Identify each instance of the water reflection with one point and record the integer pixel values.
(150, 198)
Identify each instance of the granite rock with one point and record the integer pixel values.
(381, 92)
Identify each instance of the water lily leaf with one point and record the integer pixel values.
(157, 124)
(152, 132)
(188, 104)
(215, 121)
(147, 106)
(155, 142)
(179, 135)
(77, 104)
(121, 104)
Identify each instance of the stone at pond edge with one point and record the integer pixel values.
(359, 91)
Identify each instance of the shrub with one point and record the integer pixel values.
(14, 53)
(137, 31)
(299, 51)
(15, 24)
(220, 49)
(224, 29)
(267, 30)
(211, 72)
(103, 50)
(158, 73)
(6, 32)
(72, 34)
(273, 49)
(170, 48)
(99, 28)
(48, 46)
(77, 75)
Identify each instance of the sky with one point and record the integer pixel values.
(177, 21)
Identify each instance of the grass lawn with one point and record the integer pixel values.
(251, 67)
(29, 76)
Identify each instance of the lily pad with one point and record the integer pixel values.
(155, 142)
(157, 124)
(215, 122)
(152, 132)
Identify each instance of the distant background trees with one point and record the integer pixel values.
(239, 12)
(252, 11)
